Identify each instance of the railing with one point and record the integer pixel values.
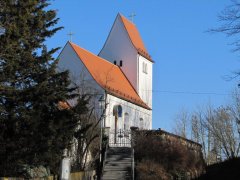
(123, 138)
(104, 158)
(133, 153)
(133, 164)
(120, 138)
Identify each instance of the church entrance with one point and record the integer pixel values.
(120, 135)
(120, 138)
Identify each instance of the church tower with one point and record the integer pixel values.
(124, 47)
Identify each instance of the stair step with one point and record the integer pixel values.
(117, 167)
(118, 160)
(119, 157)
(118, 164)
(116, 177)
(111, 163)
(117, 174)
(115, 164)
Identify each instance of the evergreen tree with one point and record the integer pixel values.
(33, 129)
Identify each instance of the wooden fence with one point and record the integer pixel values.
(83, 175)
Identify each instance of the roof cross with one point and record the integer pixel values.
(70, 34)
(132, 16)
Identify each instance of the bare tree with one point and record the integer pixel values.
(222, 128)
(230, 25)
(213, 147)
(216, 130)
(86, 149)
(230, 19)
(181, 124)
(235, 111)
(199, 132)
(235, 108)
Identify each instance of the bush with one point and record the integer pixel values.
(161, 157)
(149, 170)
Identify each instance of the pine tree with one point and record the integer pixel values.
(33, 129)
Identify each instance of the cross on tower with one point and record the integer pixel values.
(132, 16)
(70, 34)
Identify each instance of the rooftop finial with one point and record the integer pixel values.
(70, 34)
(132, 16)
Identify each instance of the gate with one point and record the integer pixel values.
(120, 138)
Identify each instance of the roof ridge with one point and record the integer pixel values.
(137, 42)
(122, 16)
(71, 44)
(133, 98)
(108, 35)
(124, 25)
(94, 54)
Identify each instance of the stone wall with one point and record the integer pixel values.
(193, 148)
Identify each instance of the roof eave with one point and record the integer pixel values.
(126, 99)
(148, 57)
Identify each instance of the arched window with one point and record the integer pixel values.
(117, 110)
(144, 67)
(126, 122)
(141, 123)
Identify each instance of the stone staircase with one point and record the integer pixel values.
(118, 164)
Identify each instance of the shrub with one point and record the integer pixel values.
(149, 170)
(162, 157)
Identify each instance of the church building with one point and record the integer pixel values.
(121, 74)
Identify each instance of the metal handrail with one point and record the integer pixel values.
(104, 158)
(133, 160)
(133, 164)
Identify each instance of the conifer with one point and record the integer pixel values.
(33, 129)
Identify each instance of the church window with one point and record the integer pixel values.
(144, 67)
(126, 121)
(117, 111)
(115, 62)
(141, 123)
(121, 63)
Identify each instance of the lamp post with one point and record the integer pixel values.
(65, 166)
(102, 106)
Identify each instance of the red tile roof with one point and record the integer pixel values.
(63, 105)
(135, 37)
(109, 76)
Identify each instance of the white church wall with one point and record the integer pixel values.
(118, 46)
(79, 75)
(145, 80)
(134, 113)
(68, 60)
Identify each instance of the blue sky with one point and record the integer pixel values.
(191, 65)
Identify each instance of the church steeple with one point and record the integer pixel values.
(135, 37)
(124, 45)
